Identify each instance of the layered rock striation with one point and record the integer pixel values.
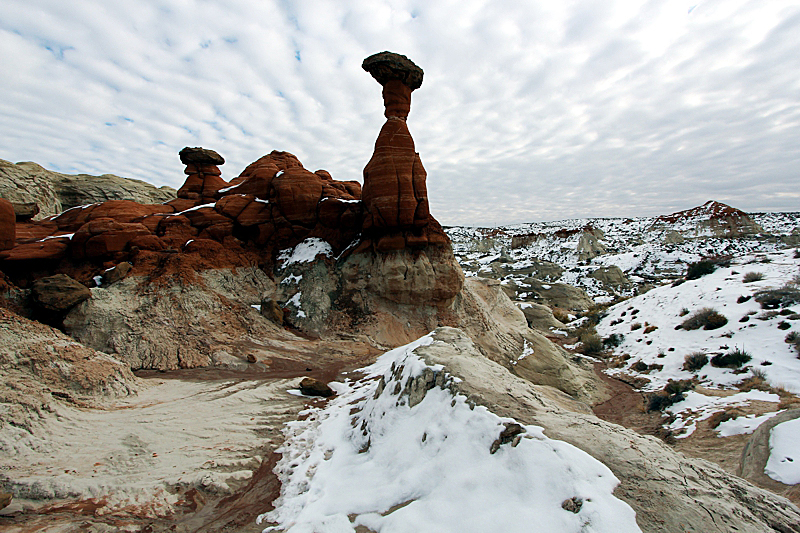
(395, 191)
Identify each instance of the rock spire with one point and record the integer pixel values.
(395, 194)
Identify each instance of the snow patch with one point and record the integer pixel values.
(369, 458)
(305, 252)
(784, 455)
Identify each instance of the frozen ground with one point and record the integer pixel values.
(380, 456)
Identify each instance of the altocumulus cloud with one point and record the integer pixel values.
(529, 110)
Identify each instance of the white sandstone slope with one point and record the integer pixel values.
(399, 450)
(407, 446)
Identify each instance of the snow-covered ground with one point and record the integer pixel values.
(656, 251)
(648, 324)
(640, 247)
(380, 457)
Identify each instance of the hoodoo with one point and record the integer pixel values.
(395, 193)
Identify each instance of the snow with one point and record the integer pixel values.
(527, 350)
(257, 307)
(292, 278)
(228, 189)
(305, 252)
(344, 201)
(646, 250)
(662, 307)
(784, 454)
(697, 407)
(369, 458)
(295, 301)
(743, 425)
(195, 208)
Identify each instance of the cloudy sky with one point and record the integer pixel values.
(530, 109)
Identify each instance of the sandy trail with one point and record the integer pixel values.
(178, 446)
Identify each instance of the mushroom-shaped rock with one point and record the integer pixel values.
(203, 177)
(395, 193)
(200, 156)
(387, 66)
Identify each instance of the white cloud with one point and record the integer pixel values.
(528, 110)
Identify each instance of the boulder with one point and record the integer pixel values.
(116, 273)
(200, 156)
(540, 317)
(589, 245)
(560, 295)
(315, 387)
(673, 237)
(756, 452)
(58, 293)
(30, 190)
(272, 311)
(8, 225)
(611, 276)
(5, 499)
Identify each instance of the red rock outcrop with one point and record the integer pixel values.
(203, 175)
(275, 203)
(8, 225)
(395, 193)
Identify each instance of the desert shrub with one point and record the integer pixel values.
(695, 361)
(659, 402)
(786, 312)
(650, 329)
(613, 340)
(678, 387)
(745, 318)
(699, 269)
(750, 277)
(672, 393)
(742, 299)
(706, 318)
(561, 315)
(766, 315)
(735, 358)
(794, 339)
(640, 366)
(775, 298)
(635, 326)
(683, 312)
(759, 373)
(591, 344)
(596, 314)
(797, 253)
(723, 416)
(784, 325)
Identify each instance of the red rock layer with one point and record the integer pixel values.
(8, 225)
(275, 203)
